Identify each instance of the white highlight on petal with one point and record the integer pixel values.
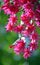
(26, 28)
(23, 38)
(31, 22)
(21, 23)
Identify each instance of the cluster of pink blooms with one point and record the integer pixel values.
(29, 20)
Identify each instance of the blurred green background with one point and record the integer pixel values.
(7, 56)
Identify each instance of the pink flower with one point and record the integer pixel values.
(19, 47)
(27, 6)
(37, 16)
(34, 36)
(6, 9)
(33, 46)
(12, 19)
(17, 3)
(22, 1)
(9, 27)
(31, 28)
(6, 1)
(9, 8)
(19, 28)
(26, 53)
(25, 19)
(25, 33)
(38, 23)
(31, 13)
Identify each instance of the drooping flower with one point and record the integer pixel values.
(19, 28)
(10, 8)
(12, 19)
(33, 46)
(26, 53)
(34, 36)
(28, 38)
(19, 47)
(28, 6)
(9, 27)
